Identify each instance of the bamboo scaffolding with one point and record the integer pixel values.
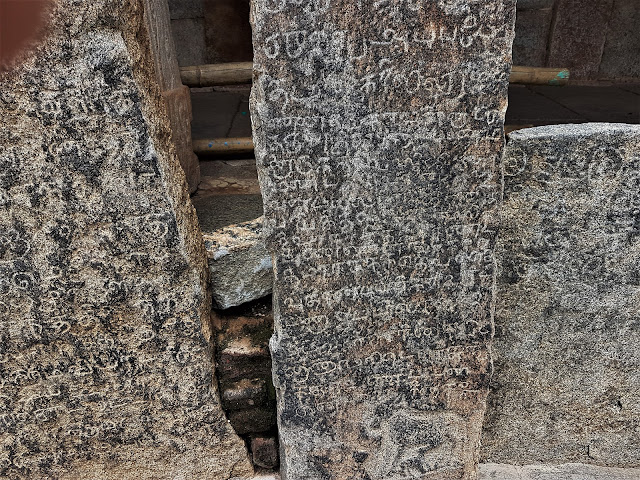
(239, 73)
(223, 146)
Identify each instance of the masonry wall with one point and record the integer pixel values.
(598, 40)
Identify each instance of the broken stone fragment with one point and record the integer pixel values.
(264, 451)
(241, 269)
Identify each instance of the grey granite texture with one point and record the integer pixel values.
(105, 369)
(377, 128)
(568, 471)
(241, 268)
(566, 386)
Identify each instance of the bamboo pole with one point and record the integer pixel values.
(223, 146)
(539, 76)
(217, 74)
(244, 145)
(241, 72)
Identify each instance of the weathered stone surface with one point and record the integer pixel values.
(264, 451)
(190, 41)
(105, 371)
(578, 37)
(377, 127)
(570, 471)
(178, 103)
(566, 386)
(532, 35)
(241, 269)
(622, 48)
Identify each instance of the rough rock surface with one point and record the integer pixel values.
(566, 386)
(569, 471)
(377, 128)
(105, 371)
(241, 268)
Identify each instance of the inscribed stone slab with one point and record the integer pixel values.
(104, 369)
(566, 386)
(377, 128)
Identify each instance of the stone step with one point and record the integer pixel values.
(245, 393)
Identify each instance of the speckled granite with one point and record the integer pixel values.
(566, 386)
(105, 370)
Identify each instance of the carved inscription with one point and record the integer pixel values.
(566, 388)
(104, 369)
(377, 127)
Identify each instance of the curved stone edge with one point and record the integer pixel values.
(567, 471)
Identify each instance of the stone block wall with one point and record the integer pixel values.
(595, 39)
(211, 31)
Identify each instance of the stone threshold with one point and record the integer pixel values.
(567, 471)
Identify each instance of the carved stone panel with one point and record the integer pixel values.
(105, 370)
(566, 387)
(378, 125)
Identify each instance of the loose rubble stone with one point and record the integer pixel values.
(377, 128)
(566, 386)
(241, 269)
(105, 370)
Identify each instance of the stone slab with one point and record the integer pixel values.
(595, 104)
(218, 211)
(566, 386)
(377, 127)
(532, 37)
(189, 38)
(105, 368)
(571, 471)
(241, 268)
(186, 9)
(178, 103)
(534, 4)
(622, 48)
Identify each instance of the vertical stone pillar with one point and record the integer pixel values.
(105, 370)
(377, 127)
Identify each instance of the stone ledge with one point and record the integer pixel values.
(567, 471)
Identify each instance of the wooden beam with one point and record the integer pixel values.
(239, 73)
(223, 146)
(217, 74)
(539, 76)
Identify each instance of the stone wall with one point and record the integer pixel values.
(595, 39)
(105, 366)
(566, 386)
(211, 31)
